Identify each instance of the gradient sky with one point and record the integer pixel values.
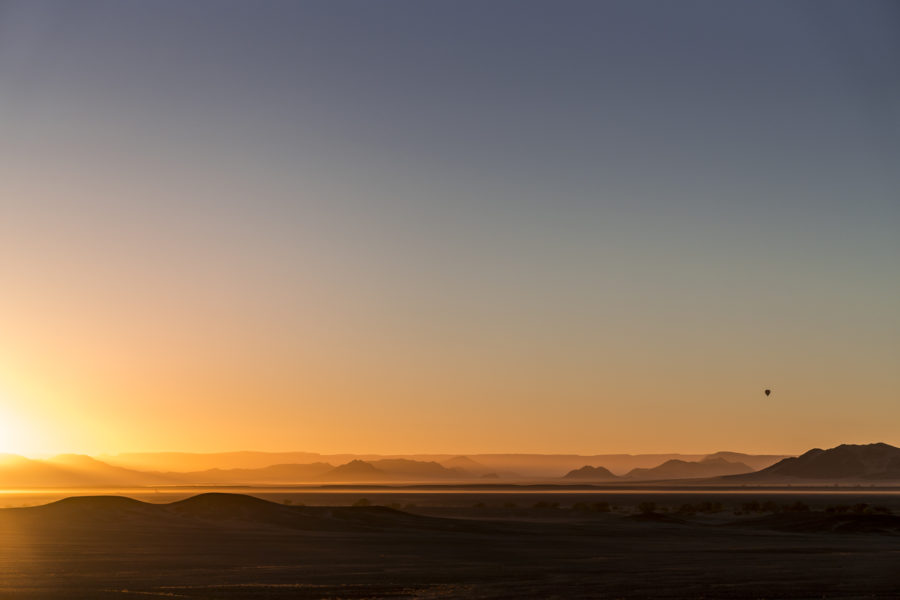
(449, 226)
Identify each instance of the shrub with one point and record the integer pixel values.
(647, 507)
(751, 507)
(362, 502)
(686, 509)
(602, 507)
(795, 507)
(700, 507)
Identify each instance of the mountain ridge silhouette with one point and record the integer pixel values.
(857, 462)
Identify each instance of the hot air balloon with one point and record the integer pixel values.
(768, 392)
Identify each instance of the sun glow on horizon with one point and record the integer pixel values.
(33, 423)
(17, 435)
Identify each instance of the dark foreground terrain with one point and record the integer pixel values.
(235, 546)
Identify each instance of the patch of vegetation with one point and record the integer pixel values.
(795, 507)
(700, 507)
(601, 507)
(861, 508)
(755, 506)
(646, 508)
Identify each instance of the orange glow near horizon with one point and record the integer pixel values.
(99, 399)
(126, 361)
(18, 435)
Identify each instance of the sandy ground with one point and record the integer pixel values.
(452, 545)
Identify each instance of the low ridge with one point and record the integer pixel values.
(232, 510)
(590, 473)
(864, 462)
(681, 469)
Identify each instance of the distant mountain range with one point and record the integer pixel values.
(864, 463)
(271, 474)
(507, 466)
(671, 469)
(393, 469)
(680, 469)
(846, 463)
(70, 470)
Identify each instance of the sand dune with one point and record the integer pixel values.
(223, 510)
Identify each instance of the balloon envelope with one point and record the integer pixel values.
(768, 392)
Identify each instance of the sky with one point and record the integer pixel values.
(404, 227)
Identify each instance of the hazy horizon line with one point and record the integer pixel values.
(45, 455)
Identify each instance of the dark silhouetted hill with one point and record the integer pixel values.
(405, 469)
(680, 469)
(589, 473)
(392, 469)
(754, 461)
(90, 512)
(78, 505)
(224, 511)
(355, 471)
(857, 462)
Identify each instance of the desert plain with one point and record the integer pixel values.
(406, 543)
